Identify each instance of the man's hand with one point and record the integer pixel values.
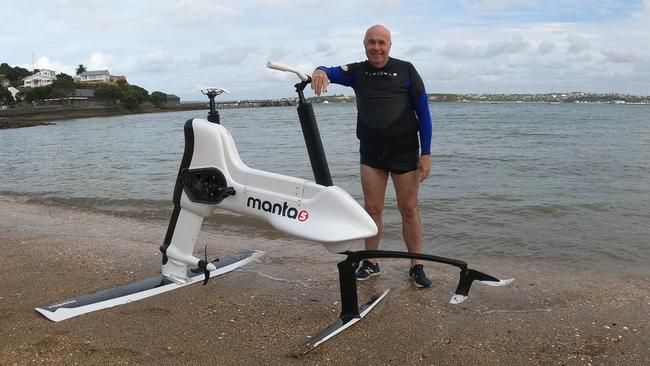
(319, 82)
(424, 167)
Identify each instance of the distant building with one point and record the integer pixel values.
(99, 76)
(116, 78)
(41, 78)
(173, 99)
(84, 95)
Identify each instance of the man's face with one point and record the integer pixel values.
(377, 44)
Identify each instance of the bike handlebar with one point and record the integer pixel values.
(280, 67)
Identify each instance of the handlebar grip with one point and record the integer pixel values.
(280, 67)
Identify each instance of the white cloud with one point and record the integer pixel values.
(577, 43)
(508, 46)
(497, 5)
(484, 49)
(411, 51)
(226, 56)
(43, 62)
(211, 14)
(545, 48)
(99, 61)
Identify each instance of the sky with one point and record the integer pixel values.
(465, 46)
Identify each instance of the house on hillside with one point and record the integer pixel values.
(41, 78)
(117, 78)
(99, 76)
(173, 99)
(84, 96)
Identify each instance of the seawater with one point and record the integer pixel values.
(564, 183)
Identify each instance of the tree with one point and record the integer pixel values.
(63, 86)
(109, 93)
(14, 74)
(6, 97)
(81, 69)
(158, 98)
(38, 93)
(143, 94)
(130, 99)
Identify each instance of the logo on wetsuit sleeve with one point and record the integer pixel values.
(276, 208)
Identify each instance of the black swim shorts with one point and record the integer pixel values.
(392, 162)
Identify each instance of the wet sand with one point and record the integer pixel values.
(264, 312)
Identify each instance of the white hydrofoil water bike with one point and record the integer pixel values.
(212, 176)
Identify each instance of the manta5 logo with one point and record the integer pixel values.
(279, 209)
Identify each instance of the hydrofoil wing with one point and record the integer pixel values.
(138, 290)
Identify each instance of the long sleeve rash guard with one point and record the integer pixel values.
(391, 104)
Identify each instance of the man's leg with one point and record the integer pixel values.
(373, 183)
(406, 189)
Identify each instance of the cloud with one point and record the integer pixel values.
(317, 7)
(213, 12)
(577, 43)
(44, 62)
(325, 49)
(514, 45)
(412, 51)
(226, 56)
(495, 5)
(545, 48)
(461, 49)
(622, 55)
(278, 53)
(99, 61)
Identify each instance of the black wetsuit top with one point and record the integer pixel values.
(391, 103)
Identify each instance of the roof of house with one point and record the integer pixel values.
(39, 76)
(94, 73)
(172, 96)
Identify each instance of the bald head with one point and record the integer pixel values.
(378, 29)
(377, 43)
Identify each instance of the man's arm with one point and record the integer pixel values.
(323, 76)
(418, 96)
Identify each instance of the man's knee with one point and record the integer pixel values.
(409, 212)
(373, 209)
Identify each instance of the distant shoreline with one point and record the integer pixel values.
(18, 118)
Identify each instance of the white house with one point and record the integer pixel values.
(41, 78)
(98, 76)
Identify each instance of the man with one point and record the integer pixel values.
(392, 110)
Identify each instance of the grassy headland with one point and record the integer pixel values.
(19, 117)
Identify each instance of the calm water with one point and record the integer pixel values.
(561, 183)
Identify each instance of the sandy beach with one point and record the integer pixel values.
(265, 311)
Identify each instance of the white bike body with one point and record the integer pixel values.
(299, 207)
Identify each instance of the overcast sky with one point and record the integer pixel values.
(466, 46)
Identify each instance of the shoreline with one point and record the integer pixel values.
(13, 118)
(264, 311)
